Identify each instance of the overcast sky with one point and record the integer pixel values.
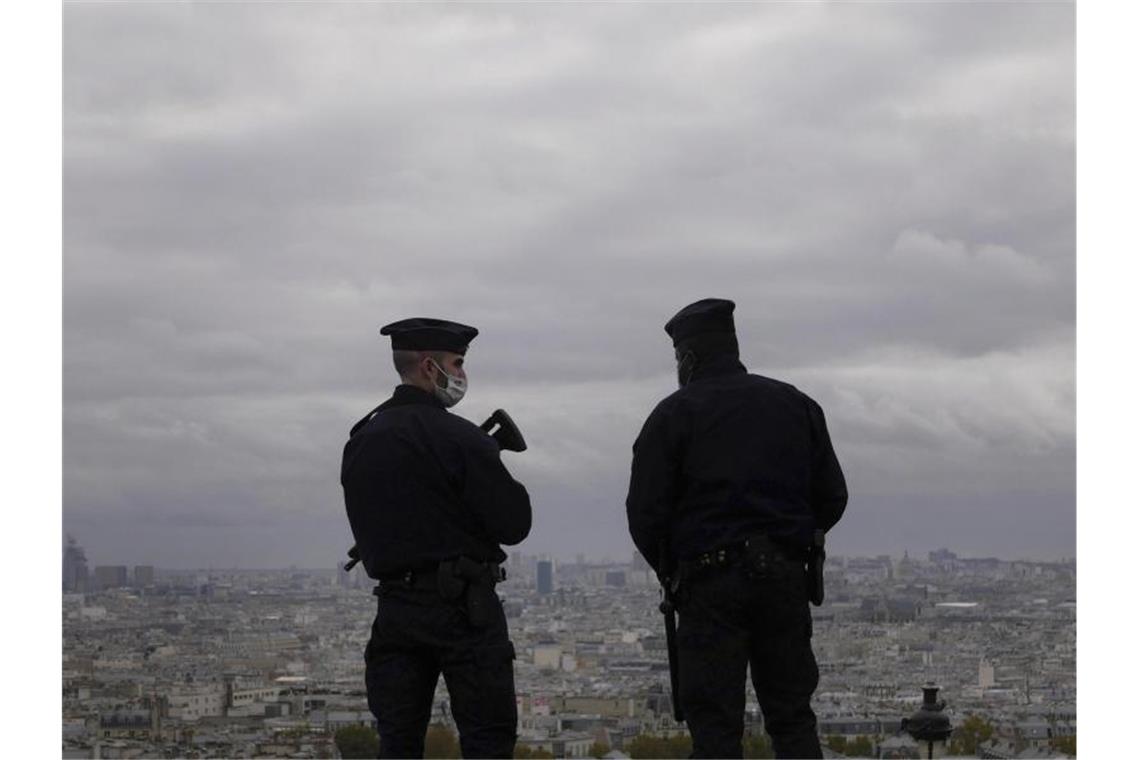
(250, 191)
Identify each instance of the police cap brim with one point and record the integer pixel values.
(426, 334)
(709, 315)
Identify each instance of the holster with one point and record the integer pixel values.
(475, 582)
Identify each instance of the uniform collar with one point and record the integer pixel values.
(404, 395)
(411, 394)
(717, 366)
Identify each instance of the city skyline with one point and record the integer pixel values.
(895, 222)
(232, 661)
(578, 558)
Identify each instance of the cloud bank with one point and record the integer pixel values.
(887, 191)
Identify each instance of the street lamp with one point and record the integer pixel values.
(929, 724)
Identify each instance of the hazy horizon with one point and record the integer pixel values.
(600, 561)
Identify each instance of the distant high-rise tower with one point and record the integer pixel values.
(343, 577)
(986, 675)
(545, 576)
(144, 576)
(74, 567)
(110, 576)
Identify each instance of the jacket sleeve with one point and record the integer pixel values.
(653, 485)
(499, 501)
(828, 486)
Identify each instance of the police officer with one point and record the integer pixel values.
(731, 475)
(429, 502)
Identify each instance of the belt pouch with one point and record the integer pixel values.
(451, 585)
(760, 558)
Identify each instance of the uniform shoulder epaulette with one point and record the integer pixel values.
(363, 421)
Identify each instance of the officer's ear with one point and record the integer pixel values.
(433, 370)
(686, 364)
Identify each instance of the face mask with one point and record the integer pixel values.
(451, 393)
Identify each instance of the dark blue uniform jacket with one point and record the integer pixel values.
(727, 456)
(423, 485)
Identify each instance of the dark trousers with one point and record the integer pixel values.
(730, 619)
(417, 636)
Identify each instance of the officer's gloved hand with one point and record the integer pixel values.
(507, 435)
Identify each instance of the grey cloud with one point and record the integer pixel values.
(887, 191)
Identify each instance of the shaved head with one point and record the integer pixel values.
(406, 362)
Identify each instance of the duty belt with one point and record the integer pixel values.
(426, 575)
(419, 577)
(725, 556)
(733, 555)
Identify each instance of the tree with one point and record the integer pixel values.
(861, 746)
(758, 745)
(599, 749)
(647, 745)
(836, 743)
(644, 745)
(440, 742)
(523, 751)
(357, 741)
(966, 737)
(1065, 744)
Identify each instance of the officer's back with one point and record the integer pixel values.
(429, 501)
(423, 485)
(749, 457)
(732, 476)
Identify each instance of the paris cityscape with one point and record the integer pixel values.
(886, 191)
(269, 663)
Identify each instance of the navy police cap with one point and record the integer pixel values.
(425, 334)
(709, 315)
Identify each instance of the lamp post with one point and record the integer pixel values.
(929, 724)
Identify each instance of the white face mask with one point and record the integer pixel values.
(451, 393)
